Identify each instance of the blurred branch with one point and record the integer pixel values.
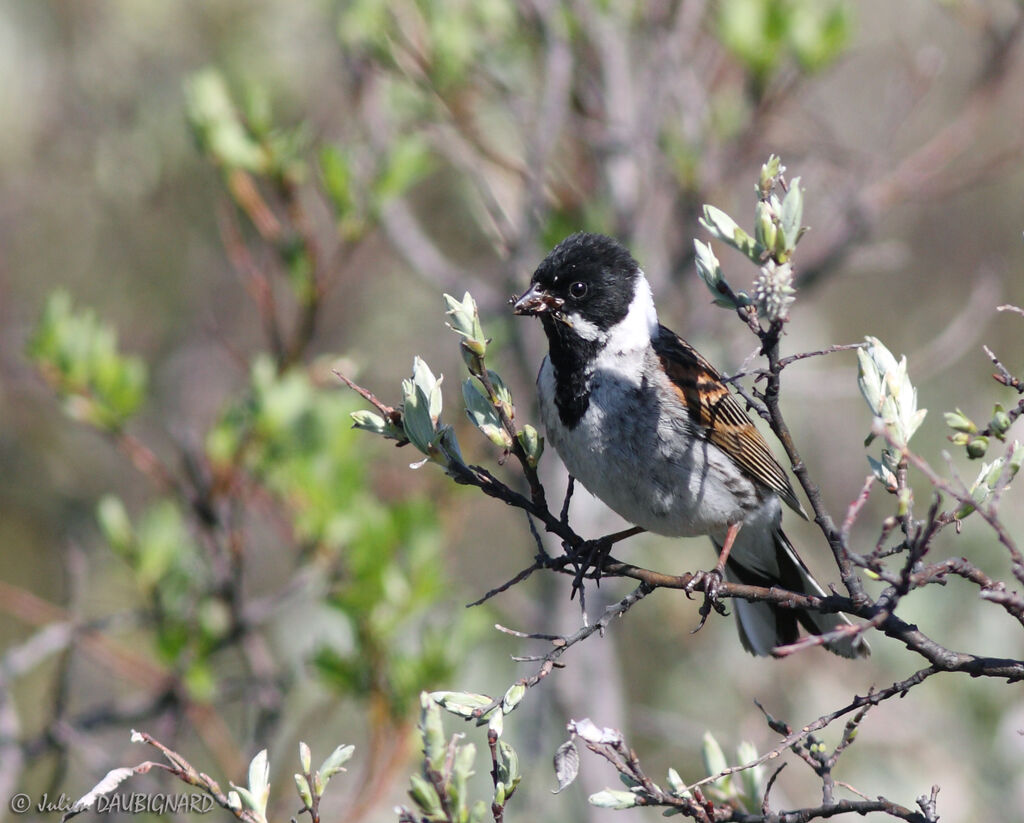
(29, 608)
(962, 332)
(311, 297)
(406, 235)
(256, 282)
(930, 171)
(542, 137)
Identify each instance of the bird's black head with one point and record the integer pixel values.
(583, 288)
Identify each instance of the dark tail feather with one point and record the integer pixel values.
(763, 626)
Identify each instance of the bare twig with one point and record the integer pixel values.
(560, 644)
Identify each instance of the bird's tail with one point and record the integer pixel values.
(765, 557)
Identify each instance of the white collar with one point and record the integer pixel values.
(634, 331)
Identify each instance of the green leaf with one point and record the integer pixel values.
(216, 124)
(513, 695)
(1000, 422)
(256, 108)
(465, 321)
(425, 796)
(532, 443)
(819, 32)
(792, 214)
(200, 682)
(722, 226)
(160, 548)
(430, 387)
(462, 770)
(710, 271)
(750, 779)
(745, 28)
(715, 762)
(335, 761)
(245, 797)
(339, 182)
(765, 230)
(677, 784)
(368, 421)
(448, 446)
(421, 407)
(463, 704)
(115, 523)
(508, 766)
(408, 161)
(497, 724)
(302, 787)
(613, 799)
(78, 355)
(958, 421)
(977, 447)
(770, 171)
(455, 39)
(365, 23)
(483, 415)
(886, 387)
(259, 781)
(884, 474)
(432, 730)
(298, 264)
(256, 795)
(214, 619)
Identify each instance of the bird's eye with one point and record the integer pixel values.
(578, 290)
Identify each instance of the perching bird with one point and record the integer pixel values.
(646, 424)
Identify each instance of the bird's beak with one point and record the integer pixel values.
(536, 301)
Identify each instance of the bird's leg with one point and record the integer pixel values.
(723, 556)
(713, 579)
(590, 554)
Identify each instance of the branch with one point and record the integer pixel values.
(770, 343)
(560, 644)
(692, 802)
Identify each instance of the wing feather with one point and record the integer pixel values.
(718, 414)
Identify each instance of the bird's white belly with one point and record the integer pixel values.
(645, 463)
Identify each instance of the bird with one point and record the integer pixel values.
(646, 424)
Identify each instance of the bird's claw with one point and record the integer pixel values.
(710, 582)
(589, 554)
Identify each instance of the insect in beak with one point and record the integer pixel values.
(537, 300)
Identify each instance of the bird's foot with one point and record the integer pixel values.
(710, 582)
(590, 554)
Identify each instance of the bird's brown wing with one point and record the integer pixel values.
(719, 415)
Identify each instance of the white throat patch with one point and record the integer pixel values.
(584, 328)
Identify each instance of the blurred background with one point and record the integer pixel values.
(195, 543)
